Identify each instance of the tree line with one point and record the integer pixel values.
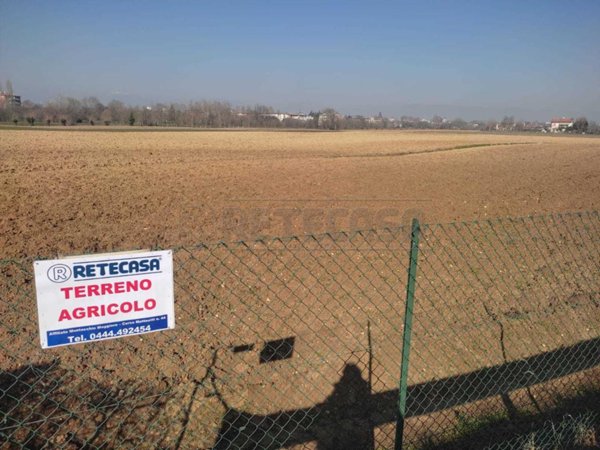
(67, 111)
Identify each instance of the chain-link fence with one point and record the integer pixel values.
(297, 343)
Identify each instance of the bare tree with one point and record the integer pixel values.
(508, 122)
(490, 125)
(459, 123)
(329, 119)
(581, 124)
(118, 111)
(91, 109)
(106, 116)
(593, 128)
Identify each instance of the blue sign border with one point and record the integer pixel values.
(109, 330)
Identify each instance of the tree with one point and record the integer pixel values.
(31, 120)
(172, 115)
(146, 116)
(490, 125)
(91, 108)
(520, 126)
(68, 108)
(593, 128)
(459, 124)
(581, 125)
(508, 122)
(329, 119)
(437, 120)
(118, 112)
(106, 116)
(131, 119)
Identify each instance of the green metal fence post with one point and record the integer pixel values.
(408, 316)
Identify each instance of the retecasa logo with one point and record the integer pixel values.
(115, 268)
(59, 273)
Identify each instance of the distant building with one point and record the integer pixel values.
(279, 116)
(7, 99)
(561, 124)
(301, 117)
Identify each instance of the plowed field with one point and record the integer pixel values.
(67, 192)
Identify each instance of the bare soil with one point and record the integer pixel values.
(65, 192)
(490, 299)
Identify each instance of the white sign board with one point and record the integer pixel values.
(95, 297)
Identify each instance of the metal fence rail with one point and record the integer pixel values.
(297, 343)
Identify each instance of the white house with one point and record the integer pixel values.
(301, 117)
(279, 116)
(561, 124)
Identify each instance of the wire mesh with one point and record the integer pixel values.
(507, 322)
(296, 343)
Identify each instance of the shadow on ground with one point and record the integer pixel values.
(346, 419)
(44, 404)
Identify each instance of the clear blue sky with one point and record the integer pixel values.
(532, 59)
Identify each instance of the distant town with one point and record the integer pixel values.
(67, 111)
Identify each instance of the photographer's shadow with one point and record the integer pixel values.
(341, 421)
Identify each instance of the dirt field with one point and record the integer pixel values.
(66, 192)
(489, 298)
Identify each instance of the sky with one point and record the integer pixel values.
(471, 59)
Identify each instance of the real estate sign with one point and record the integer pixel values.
(95, 297)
